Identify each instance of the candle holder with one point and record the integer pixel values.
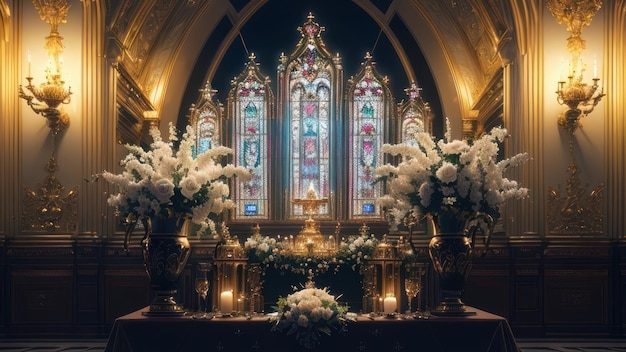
(381, 277)
(230, 268)
(310, 242)
(45, 99)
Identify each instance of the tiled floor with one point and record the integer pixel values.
(526, 345)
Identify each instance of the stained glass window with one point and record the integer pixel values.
(206, 115)
(249, 102)
(370, 112)
(311, 80)
(414, 116)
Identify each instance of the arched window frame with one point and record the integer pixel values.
(366, 85)
(409, 112)
(207, 117)
(252, 87)
(326, 188)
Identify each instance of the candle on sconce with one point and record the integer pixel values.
(595, 67)
(28, 55)
(562, 71)
(226, 302)
(389, 305)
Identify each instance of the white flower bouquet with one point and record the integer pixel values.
(272, 252)
(262, 249)
(308, 313)
(170, 180)
(449, 176)
(357, 248)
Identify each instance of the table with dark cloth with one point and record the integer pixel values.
(483, 332)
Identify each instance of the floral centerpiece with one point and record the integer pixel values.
(309, 313)
(452, 182)
(449, 178)
(274, 252)
(170, 180)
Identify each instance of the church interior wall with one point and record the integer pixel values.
(537, 275)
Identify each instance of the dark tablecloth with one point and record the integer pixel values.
(483, 332)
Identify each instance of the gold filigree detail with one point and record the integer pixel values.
(575, 14)
(577, 211)
(309, 241)
(45, 99)
(47, 209)
(579, 97)
(53, 12)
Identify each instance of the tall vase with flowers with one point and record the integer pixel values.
(452, 183)
(166, 188)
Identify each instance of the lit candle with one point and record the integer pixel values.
(595, 67)
(226, 302)
(562, 71)
(389, 305)
(28, 63)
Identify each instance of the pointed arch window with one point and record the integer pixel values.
(310, 79)
(414, 114)
(206, 115)
(369, 117)
(250, 105)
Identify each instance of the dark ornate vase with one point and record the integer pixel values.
(165, 251)
(451, 254)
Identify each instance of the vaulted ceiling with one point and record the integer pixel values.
(167, 49)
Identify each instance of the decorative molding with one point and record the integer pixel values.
(38, 252)
(578, 252)
(566, 275)
(42, 273)
(131, 104)
(527, 272)
(128, 273)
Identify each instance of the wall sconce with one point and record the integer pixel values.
(579, 97)
(45, 99)
(576, 211)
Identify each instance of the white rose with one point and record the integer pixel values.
(425, 192)
(447, 172)
(189, 186)
(163, 190)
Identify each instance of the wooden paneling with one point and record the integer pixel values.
(527, 286)
(545, 287)
(126, 289)
(41, 296)
(576, 287)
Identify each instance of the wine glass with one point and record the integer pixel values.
(412, 286)
(202, 289)
(413, 283)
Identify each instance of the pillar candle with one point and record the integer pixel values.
(389, 305)
(226, 302)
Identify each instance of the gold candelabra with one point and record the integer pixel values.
(580, 98)
(45, 99)
(577, 211)
(310, 241)
(46, 208)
